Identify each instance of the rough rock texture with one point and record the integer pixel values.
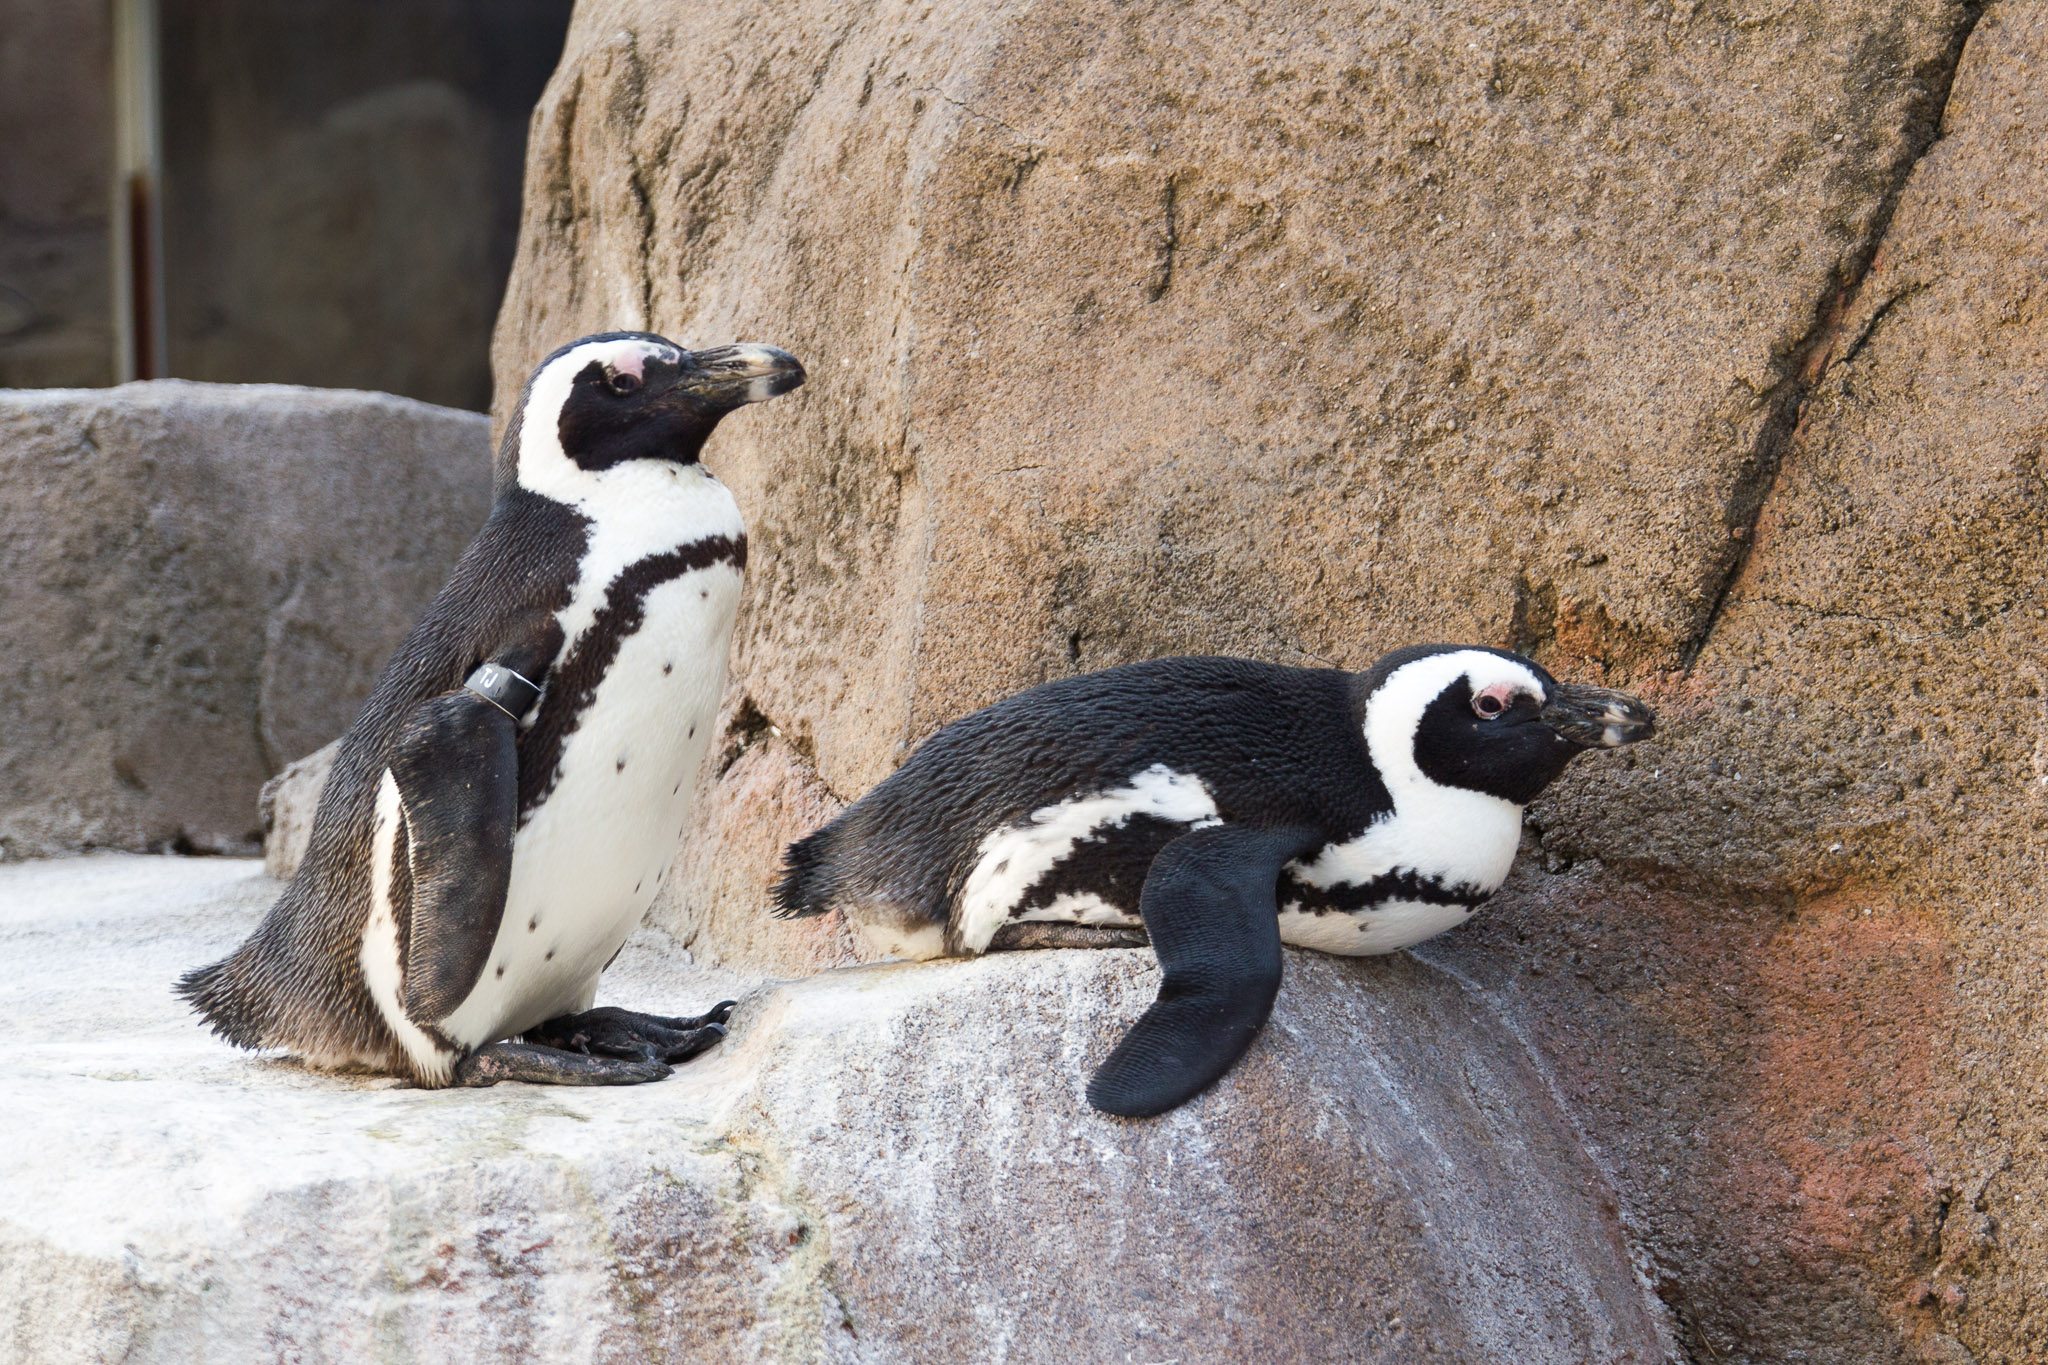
(285, 807)
(1843, 1042)
(1695, 348)
(827, 1185)
(758, 796)
(202, 583)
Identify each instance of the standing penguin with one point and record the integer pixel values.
(1227, 806)
(504, 807)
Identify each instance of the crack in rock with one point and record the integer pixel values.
(1811, 356)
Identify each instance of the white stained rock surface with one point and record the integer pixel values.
(881, 1164)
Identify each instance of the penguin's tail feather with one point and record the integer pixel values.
(808, 878)
(228, 999)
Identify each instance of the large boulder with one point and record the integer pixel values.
(1835, 1031)
(1385, 1179)
(1694, 348)
(202, 582)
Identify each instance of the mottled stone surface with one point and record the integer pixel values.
(1694, 348)
(202, 582)
(763, 795)
(284, 809)
(1843, 1046)
(1387, 1179)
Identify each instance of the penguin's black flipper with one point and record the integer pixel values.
(456, 763)
(1209, 904)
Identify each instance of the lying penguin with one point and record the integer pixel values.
(1227, 806)
(504, 807)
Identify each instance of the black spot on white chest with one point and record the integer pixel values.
(674, 609)
(589, 856)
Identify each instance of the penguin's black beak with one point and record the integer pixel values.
(733, 376)
(1597, 717)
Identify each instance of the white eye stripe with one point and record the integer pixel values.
(544, 467)
(1395, 710)
(627, 356)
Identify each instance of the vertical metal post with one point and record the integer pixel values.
(136, 216)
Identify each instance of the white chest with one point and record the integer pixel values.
(588, 862)
(591, 856)
(1453, 839)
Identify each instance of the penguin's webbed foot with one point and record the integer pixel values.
(612, 1032)
(539, 1065)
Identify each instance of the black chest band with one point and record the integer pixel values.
(504, 689)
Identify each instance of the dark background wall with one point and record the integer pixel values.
(342, 191)
(56, 153)
(339, 198)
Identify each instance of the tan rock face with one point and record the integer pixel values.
(1656, 342)
(202, 582)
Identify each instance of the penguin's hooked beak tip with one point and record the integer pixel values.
(745, 372)
(1597, 717)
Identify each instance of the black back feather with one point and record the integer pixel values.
(296, 983)
(1274, 745)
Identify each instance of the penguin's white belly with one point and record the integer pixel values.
(1459, 842)
(589, 860)
(1387, 927)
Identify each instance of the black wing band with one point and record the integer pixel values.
(504, 689)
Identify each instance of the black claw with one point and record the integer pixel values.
(699, 1040)
(717, 1014)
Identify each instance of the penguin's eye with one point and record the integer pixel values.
(624, 382)
(1493, 702)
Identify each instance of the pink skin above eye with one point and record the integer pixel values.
(1493, 701)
